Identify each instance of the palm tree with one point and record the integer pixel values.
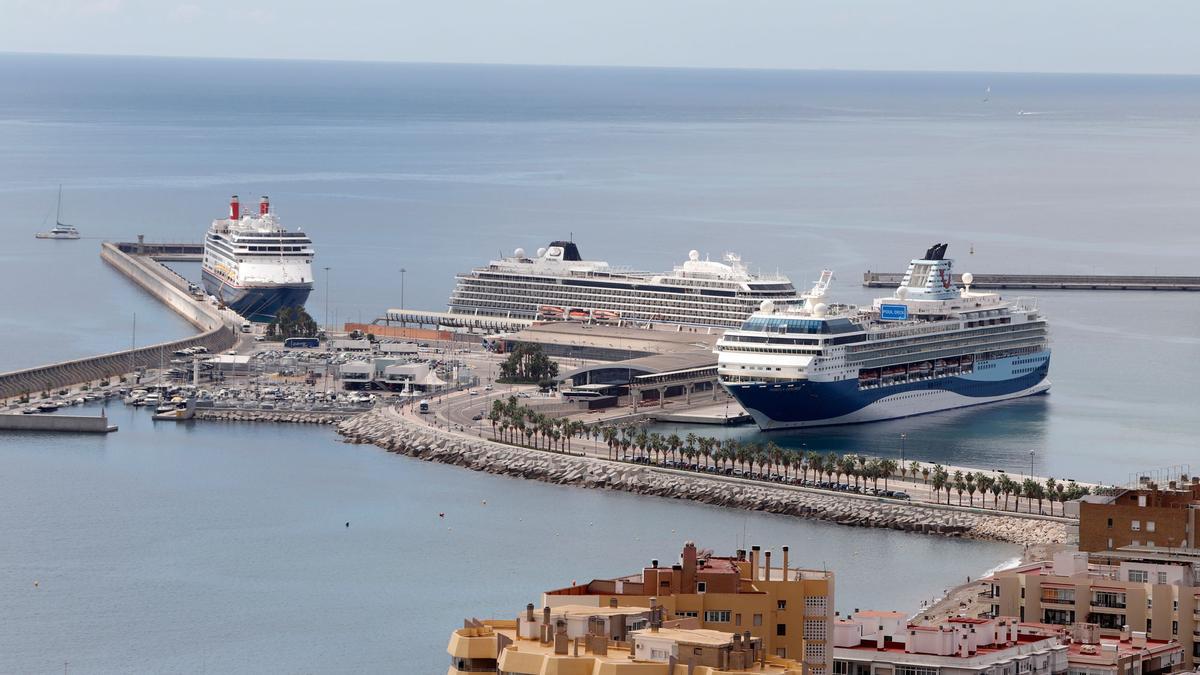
(939, 482)
(925, 474)
(1029, 489)
(960, 484)
(1052, 490)
(674, 443)
(985, 482)
(689, 444)
(971, 487)
(887, 468)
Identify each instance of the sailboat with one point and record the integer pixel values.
(61, 230)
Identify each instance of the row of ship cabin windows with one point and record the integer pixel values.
(541, 289)
(738, 309)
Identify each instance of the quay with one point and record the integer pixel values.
(177, 252)
(1064, 282)
(219, 330)
(94, 424)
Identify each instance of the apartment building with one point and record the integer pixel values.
(1129, 594)
(789, 609)
(1148, 516)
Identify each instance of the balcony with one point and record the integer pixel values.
(1058, 598)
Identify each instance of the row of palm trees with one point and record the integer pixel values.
(519, 424)
(515, 423)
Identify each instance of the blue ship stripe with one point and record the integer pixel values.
(256, 304)
(808, 401)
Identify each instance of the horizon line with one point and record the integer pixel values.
(594, 65)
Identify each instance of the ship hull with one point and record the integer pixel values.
(806, 403)
(256, 303)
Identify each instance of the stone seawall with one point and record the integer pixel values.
(287, 416)
(219, 334)
(389, 430)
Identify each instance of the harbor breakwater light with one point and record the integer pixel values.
(387, 428)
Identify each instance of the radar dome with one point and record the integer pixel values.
(693, 254)
(968, 278)
(820, 309)
(766, 307)
(541, 251)
(519, 253)
(901, 292)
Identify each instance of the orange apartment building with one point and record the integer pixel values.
(789, 610)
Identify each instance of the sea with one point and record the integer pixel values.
(223, 547)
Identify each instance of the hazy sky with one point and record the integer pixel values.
(1009, 35)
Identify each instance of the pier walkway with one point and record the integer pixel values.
(219, 331)
(1079, 282)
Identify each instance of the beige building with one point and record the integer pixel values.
(1133, 595)
(789, 609)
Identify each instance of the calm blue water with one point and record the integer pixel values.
(219, 549)
(223, 548)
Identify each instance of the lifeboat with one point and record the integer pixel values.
(605, 315)
(550, 312)
(578, 314)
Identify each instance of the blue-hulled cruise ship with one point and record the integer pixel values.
(254, 265)
(930, 346)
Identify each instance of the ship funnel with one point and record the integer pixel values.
(234, 208)
(264, 206)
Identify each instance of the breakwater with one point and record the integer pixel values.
(218, 328)
(88, 424)
(388, 429)
(1064, 282)
(284, 416)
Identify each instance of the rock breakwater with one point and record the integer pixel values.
(286, 416)
(389, 430)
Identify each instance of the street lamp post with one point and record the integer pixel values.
(1031, 464)
(903, 437)
(402, 273)
(327, 301)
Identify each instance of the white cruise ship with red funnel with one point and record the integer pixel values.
(254, 266)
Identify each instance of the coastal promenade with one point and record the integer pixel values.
(406, 432)
(218, 332)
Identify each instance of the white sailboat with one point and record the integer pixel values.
(61, 230)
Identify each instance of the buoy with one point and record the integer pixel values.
(484, 502)
(441, 515)
(347, 523)
(35, 583)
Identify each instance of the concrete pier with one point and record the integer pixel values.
(89, 424)
(219, 332)
(1081, 282)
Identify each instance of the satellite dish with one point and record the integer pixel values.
(766, 307)
(901, 292)
(968, 278)
(541, 251)
(519, 253)
(693, 255)
(821, 309)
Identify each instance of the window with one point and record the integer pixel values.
(685, 615)
(658, 654)
(1138, 576)
(1149, 525)
(1135, 525)
(781, 629)
(1110, 523)
(1142, 500)
(915, 670)
(737, 619)
(758, 619)
(701, 586)
(717, 616)
(1174, 628)
(781, 652)
(782, 604)
(814, 605)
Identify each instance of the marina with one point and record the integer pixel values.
(227, 504)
